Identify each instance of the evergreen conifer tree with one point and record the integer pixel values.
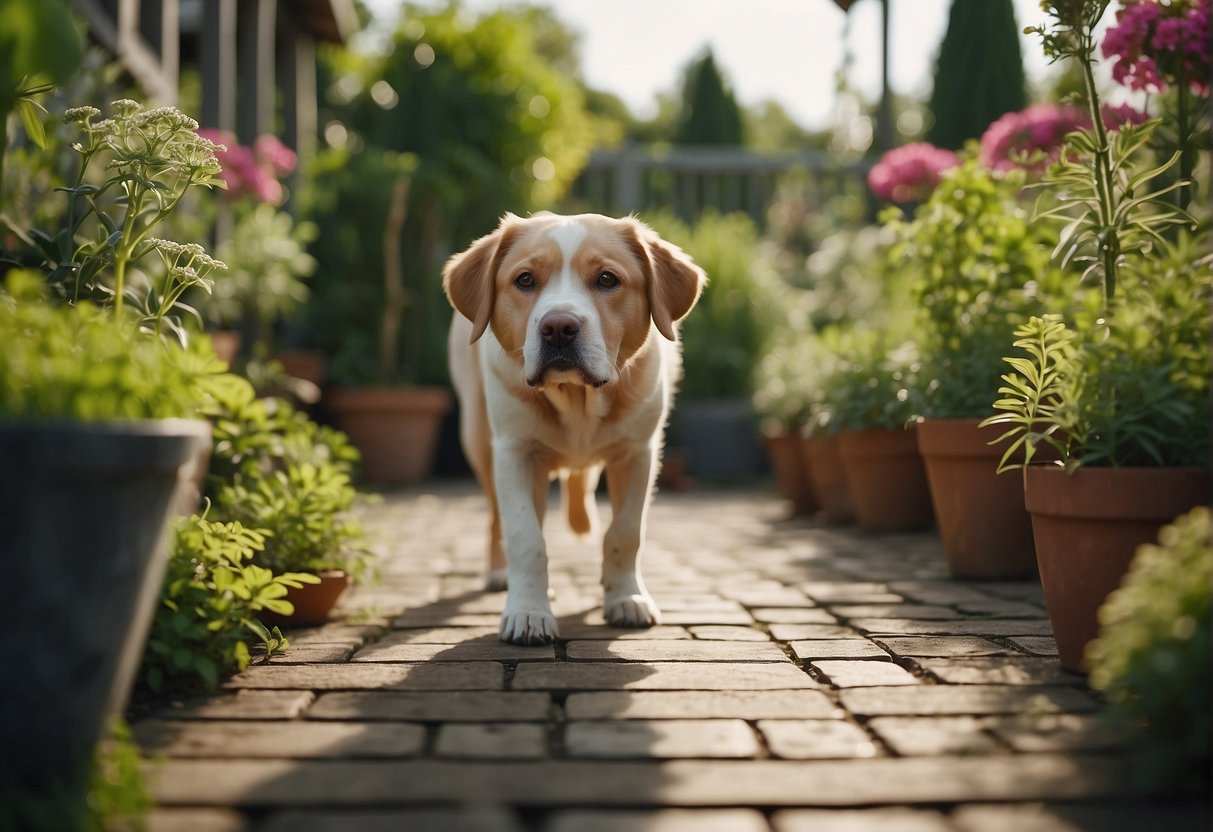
(979, 74)
(710, 114)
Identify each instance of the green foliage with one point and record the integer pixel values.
(253, 437)
(980, 267)
(1152, 656)
(486, 110)
(709, 115)
(151, 159)
(783, 380)
(267, 264)
(728, 331)
(84, 364)
(209, 605)
(1117, 392)
(868, 381)
(979, 73)
(304, 508)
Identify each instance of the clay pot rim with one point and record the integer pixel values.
(1114, 493)
(878, 442)
(959, 438)
(428, 398)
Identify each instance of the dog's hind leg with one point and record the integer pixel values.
(577, 491)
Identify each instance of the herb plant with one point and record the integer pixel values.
(209, 605)
(1152, 656)
(870, 382)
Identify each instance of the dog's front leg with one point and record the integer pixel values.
(626, 603)
(527, 618)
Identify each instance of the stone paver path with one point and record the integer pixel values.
(803, 678)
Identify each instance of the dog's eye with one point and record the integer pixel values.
(608, 280)
(526, 280)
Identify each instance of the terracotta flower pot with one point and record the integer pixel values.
(887, 479)
(313, 602)
(226, 344)
(395, 429)
(1087, 527)
(828, 479)
(985, 529)
(308, 365)
(791, 471)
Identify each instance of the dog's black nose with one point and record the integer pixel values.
(559, 329)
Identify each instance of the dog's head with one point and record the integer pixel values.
(572, 299)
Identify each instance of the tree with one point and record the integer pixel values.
(979, 74)
(709, 114)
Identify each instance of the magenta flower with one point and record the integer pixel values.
(1012, 138)
(1115, 117)
(1156, 45)
(252, 171)
(909, 173)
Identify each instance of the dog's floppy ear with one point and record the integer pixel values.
(467, 277)
(675, 282)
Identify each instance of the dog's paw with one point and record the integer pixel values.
(495, 581)
(528, 627)
(637, 610)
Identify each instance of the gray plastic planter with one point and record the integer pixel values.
(84, 510)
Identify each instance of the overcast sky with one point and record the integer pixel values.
(787, 50)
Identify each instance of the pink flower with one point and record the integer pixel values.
(909, 173)
(274, 153)
(1039, 128)
(1156, 45)
(1118, 116)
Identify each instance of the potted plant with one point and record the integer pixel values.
(781, 400)
(391, 419)
(276, 471)
(713, 420)
(866, 400)
(970, 291)
(98, 420)
(1125, 408)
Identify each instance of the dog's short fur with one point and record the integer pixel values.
(564, 354)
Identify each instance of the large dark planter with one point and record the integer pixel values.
(1087, 527)
(985, 530)
(720, 437)
(395, 428)
(887, 479)
(791, 471)
(84, 513)
(828, 479)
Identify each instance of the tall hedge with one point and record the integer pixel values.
(979, 73)
(709, 114)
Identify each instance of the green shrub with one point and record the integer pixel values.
(1152, 658)
(305, 511)
(868, 380)
(728, 331)
(84, 363)
(209, 605)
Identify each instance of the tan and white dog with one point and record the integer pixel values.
(564, 354)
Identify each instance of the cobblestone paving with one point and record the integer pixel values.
(803, 678)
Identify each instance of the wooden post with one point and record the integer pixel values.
(255, 38)
(297, 78)
(219, 65)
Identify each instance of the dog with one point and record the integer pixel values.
(564, 355)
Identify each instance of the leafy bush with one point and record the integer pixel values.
(980, 267)
(209, 605)
(869, 381)
(728, 331)
(304, 509)
(1152, 656)
(86, 364)
(1115, 392)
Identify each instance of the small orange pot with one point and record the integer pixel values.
(313, 602)
(828, 479)
(791, 471)
(886, 478)
(395, 429)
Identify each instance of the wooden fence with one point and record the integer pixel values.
(691, 180)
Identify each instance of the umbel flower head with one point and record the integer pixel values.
(1156, 45)
(909, 173)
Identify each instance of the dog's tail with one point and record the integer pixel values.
(577, 490)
